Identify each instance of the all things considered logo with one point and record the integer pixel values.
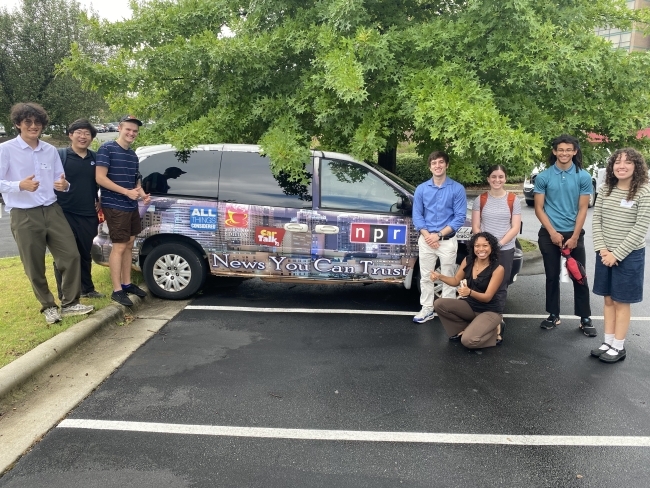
(236, 216)
(269, 236)
(203, 218)
(378, 233)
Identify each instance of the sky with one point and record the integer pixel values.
(112, 10)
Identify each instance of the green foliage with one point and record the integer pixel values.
(33, 40)
(488, 81)
(413, 168)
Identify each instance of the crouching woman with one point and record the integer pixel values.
(475, 318)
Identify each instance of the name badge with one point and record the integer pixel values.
(627, 203)
(45, 165)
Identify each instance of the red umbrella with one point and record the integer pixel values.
(575, 269)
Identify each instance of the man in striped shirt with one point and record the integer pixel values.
(117, 174)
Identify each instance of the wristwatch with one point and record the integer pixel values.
(440, 236)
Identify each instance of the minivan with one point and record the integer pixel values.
(219, 210)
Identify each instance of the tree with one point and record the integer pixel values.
(487, 80)
(33, 40)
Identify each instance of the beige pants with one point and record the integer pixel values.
(427, 257)
(479, 329)
(36, 229)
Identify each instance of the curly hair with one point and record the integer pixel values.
(494, 245)
(639, 177)
(29, 110)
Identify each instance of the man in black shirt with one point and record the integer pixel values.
(81, 202)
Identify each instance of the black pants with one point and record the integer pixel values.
(552, 261)
(84, 229)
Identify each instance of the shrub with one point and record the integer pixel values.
(412, 167)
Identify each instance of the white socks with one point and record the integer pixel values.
(616, 344)
(609, 338)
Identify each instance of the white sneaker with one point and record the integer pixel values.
(424, 315)
(52, 315)
(77, 309)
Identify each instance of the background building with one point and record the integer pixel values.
(630, 40)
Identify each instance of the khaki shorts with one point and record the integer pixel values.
(122, 225)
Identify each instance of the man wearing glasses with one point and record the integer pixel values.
(439, 208)
(562, 194)
(81, 203)
(30, 172)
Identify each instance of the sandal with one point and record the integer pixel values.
(456, 338)
(500, 330)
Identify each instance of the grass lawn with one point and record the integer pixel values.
(22, 326)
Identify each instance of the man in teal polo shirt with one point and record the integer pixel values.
(562, 194)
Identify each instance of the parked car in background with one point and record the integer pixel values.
(3, 132)
(100, 128)
(597, 179)
(112, 126)
(219, 210)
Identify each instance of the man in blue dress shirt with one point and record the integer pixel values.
(439, 210)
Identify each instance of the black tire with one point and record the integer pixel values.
(174, 271)
(530, 203)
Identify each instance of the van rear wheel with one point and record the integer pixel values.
(174, 271)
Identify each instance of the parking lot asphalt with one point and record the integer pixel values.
(344, 397)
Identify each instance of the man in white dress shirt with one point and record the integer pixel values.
(30, 171)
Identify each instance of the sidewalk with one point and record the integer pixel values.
(22, 369)
(51, 389)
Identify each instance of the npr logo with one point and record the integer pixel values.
(383, 234)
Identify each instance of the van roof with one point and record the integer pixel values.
(145, 151)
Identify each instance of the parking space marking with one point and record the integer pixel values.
(361, 436)
(223, 308)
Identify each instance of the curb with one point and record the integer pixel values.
(22, 369)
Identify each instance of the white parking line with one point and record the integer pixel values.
(361, 436)
(221, 308)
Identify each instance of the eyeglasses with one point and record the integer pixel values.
(82, 133)
(35, 123)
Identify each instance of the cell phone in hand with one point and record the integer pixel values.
(462, 284)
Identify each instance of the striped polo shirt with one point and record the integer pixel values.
(122, 167)
(618, 225)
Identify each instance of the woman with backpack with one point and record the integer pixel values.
(620, 223)
(499, 213)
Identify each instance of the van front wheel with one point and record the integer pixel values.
(174, 271)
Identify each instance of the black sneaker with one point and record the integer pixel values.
(134, 290)
(92, 294)
(551, 322)
(587, 327)
(122, 298)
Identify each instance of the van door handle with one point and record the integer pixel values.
(326, 229)
(295, 227)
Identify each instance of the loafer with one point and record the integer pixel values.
(597, 352)
(612, 358)
(587, 327)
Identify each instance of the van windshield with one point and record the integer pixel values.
(394, 178)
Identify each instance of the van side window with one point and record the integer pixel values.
(349, 186)
(190, 173)
(246, 178)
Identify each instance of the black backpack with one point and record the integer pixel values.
(63, 154)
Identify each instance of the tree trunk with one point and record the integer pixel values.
(388, 159)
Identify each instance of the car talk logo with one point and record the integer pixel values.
(378, 233)
(236, 216)
(203, 218)
(269, 236)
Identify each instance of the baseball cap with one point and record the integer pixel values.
(174, 169)
(130, 118)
